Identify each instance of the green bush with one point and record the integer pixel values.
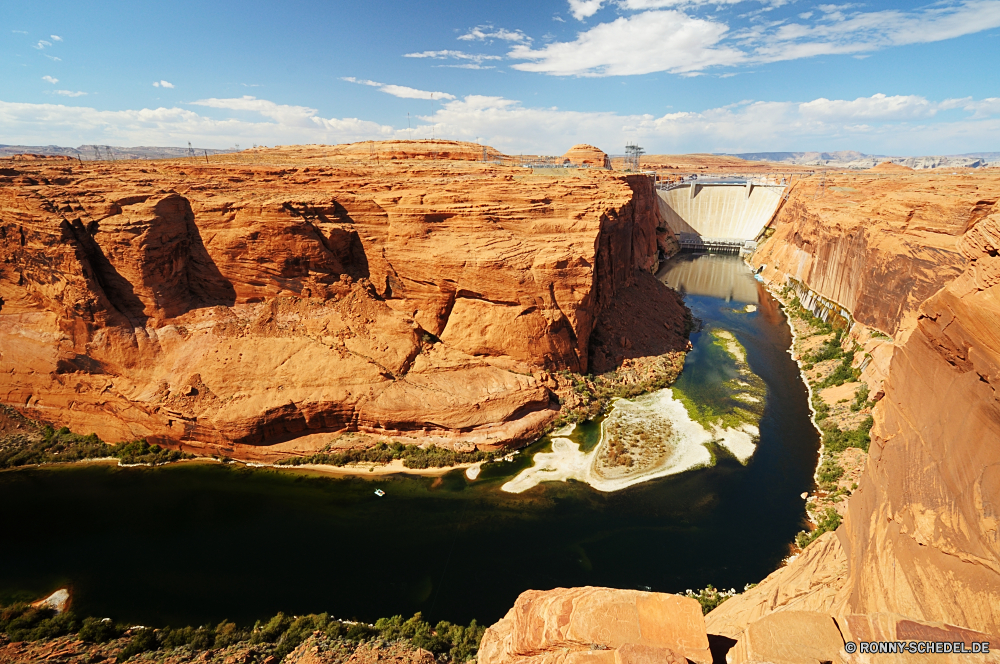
(412, 456)
(49, 445)
(99, 630)
(860, 398)
(828, 474)
(142, 640)
(842, 374)
(280, 634)
(709, 597)
(835, 440)
(829, 522)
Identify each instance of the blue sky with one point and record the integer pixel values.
(673, 75)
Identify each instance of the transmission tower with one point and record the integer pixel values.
(632, 154)
(98, 151)
(191, 151)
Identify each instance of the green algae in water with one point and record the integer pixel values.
(722, 392)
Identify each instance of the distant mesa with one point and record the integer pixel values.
(583, 154)
(889, 167)
(431, 149)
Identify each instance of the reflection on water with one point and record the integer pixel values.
(193, 544)
(724, 276)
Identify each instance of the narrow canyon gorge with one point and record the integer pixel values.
(251, 308)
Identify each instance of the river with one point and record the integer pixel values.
(195, 543)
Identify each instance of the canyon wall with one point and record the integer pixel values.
(914, 256)
(244, 307)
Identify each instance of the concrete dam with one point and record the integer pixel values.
(727, 214)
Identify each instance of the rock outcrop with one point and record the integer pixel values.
(599, 625)
(243, 308)
(587, 155)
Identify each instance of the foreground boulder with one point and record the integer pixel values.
(599, 625)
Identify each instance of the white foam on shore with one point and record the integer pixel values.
(566, 461)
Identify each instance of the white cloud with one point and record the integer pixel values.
(652, 41)
(55, 37)
(42, 44)
(20, 32)
(50, 79)
(488, 32)
(400, 90)
(880, 124)
(477, 58)
(52, 57)
(466, 66)
(162, 84)
(671, 40)
(876, 107)
(581, 9)
(38, 124)
(69, 93)
(980, 109)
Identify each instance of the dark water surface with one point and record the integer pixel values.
(194, 543)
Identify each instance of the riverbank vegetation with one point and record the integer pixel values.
(844, 426)
(271, 639)
(709, 597)
(34, 443)
(583, 397)
(383, 453)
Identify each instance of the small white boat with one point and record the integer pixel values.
(379, 492)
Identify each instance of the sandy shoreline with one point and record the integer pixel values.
(394, 467)
(371, 470)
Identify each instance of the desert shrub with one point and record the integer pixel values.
(227, 633)
(829, 472)
(412, 456)
(99, 630)
(842, 374)
(142, 640)
(709, 597)
(860, 398)
(835, 440)
(278, 635)
(271, 630)
(829, 522)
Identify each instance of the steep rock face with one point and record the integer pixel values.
(236, 305)
(915, 256)
(877, 245)
(924, 527)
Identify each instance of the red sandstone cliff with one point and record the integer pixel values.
(914, 256)
(238, 305)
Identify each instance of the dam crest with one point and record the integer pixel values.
(719, 213)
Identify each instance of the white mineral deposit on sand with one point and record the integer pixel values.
(687, 442)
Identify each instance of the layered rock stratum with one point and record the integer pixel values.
(251, 307)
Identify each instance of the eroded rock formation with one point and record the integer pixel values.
(233, 305)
